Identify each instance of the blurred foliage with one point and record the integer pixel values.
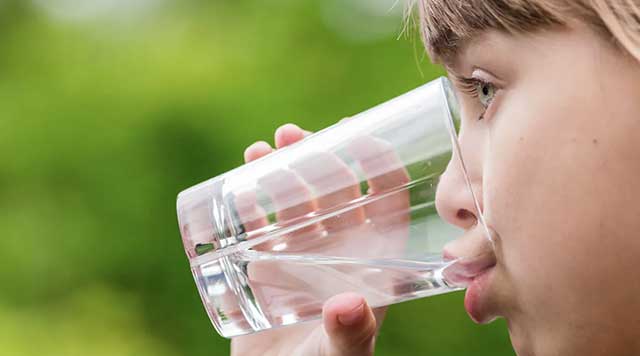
(109, 108)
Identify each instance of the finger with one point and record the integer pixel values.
(251, 215)
(292, 200)
(288, 134)
(256, 151)
(350, 326)
(384, 171)
(244, 207)
(333, 184)
(289, 194)
(267, 279)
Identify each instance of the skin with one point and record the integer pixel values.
(555, 165)
(556, 160)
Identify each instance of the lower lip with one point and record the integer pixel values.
(476, 297)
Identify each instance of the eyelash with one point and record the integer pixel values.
(470, 86)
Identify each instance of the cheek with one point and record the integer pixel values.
(553, 190)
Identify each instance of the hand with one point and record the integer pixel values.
(349, 326)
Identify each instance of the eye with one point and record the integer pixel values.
(486, 92)
(481, 90)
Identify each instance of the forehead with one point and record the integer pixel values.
(487, 49)
(495, 49)
(447, 26)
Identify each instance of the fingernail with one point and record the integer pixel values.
(352, 317)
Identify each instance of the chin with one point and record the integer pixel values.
(520, 341)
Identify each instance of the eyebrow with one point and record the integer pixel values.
(455, 56)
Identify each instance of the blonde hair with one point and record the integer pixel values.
(445, 25)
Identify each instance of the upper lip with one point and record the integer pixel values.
(473, 253)
(466, 269)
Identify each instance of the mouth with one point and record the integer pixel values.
(477, 297)
(473, 265)
(476, 274)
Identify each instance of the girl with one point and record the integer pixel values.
(550, 97)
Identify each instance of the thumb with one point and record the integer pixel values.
(350, 326)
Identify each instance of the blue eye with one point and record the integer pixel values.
(486, 92)
(480, 90)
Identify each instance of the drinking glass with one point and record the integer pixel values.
(349, 208)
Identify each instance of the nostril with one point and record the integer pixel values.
(465, 215)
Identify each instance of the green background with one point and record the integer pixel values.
(109, 108)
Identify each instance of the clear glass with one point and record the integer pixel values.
(350, 208)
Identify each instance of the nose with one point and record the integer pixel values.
(454, 201)
(456, 205)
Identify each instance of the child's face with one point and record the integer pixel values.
(556, 164)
